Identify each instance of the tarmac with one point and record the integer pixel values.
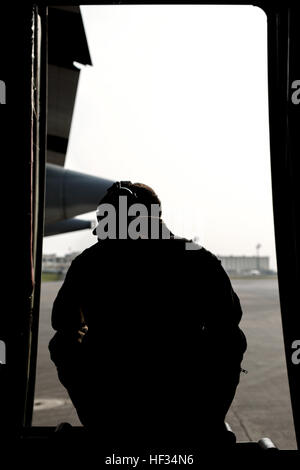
(261, 407)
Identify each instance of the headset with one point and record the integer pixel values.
(119, 188)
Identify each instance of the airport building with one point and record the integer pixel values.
(241, 265)
(246, 264)
(57, 264)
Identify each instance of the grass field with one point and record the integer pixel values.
(254, 277)
(48, 277)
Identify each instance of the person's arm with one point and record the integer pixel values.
(66, 312)
(67, 319)
(224, 313)
(224, 342)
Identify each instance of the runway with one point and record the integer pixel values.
(261, 407)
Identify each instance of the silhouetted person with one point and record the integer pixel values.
(148, 343)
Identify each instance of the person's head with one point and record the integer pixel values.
(136, 193)
(126, 201)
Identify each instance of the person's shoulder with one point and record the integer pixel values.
(210, 257)
(85, 255)
(194, 247)
(208, 260)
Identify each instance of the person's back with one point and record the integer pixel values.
(160, 362)
(163, 350)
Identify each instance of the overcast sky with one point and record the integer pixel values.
(177, 98)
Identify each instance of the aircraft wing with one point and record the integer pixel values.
(66, 43)
(68, 193)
